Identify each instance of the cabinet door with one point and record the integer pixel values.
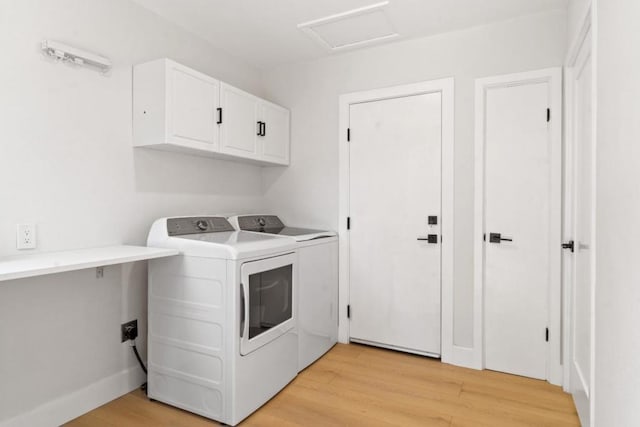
(275, 139)
(239, 129)
(192, 108)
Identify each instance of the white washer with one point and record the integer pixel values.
(318, 282)
(222, 317)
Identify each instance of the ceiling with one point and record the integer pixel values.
(265, 33)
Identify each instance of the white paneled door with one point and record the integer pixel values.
(521, 225)
(275, 133)
(395, 218)
(582, 289)
(239, 122)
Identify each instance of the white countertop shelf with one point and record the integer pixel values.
(24, 266)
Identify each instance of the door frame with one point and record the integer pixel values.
(446, 88)
(586, 33)
(553, 76)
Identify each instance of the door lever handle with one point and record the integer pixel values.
(431, 238)
(569, 245)
(497, 238)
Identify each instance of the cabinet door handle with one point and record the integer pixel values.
(259, 129)
(219, 115)
(264, 129)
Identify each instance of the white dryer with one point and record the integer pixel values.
(222, 317)
(317, 282)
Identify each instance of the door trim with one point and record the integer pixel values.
(554, 77)
(446, 88)
(579, 48)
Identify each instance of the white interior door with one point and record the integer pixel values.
(193, 109)
(395, 186)
(519, 227)
(582, 290)
(239, 127)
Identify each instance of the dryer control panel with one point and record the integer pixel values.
(259, 222)
(198, 225)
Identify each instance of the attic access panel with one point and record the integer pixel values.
(355, 28)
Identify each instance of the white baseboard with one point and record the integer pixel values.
(70, 406)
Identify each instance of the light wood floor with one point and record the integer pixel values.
(355, 385)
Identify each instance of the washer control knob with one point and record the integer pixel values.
(202, 224)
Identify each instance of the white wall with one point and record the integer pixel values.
(306, 193)
(576, 11)
(67, 163)
(617, 363)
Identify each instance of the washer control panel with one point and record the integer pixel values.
(259, 222)
(197, 225)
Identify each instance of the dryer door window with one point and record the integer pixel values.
(266, 301)
(270, 299)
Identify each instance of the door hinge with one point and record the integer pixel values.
(546, 335)
(348, 134)
(348, 312)
(348, 223)
(548, 115)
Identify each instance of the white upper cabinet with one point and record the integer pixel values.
(176, 108)
(274, 138)
(239, 128)
(193, 105)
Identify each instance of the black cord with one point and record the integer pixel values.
(144, 368)
(135, 350)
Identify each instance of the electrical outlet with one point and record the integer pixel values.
(129, 330)
(26, 236)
